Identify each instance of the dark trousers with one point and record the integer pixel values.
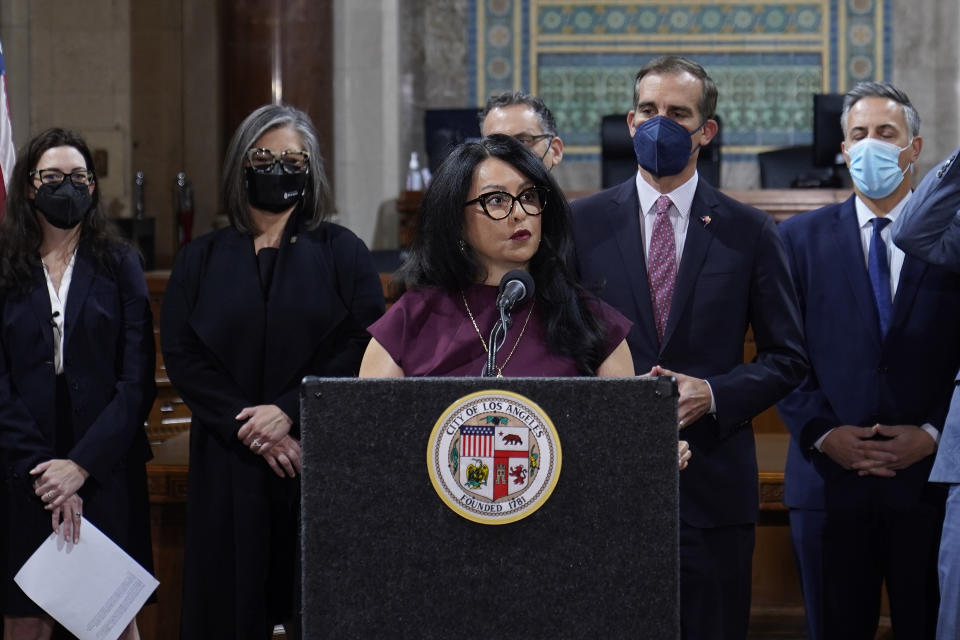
(715, 572)
(806, 536)
(855, 551)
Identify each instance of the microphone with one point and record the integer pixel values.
(53, 318)
(516, 287)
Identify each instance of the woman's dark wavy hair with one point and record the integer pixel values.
(20, 232)
(436, 258)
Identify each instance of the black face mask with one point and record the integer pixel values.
(276, 191)
(64, 205)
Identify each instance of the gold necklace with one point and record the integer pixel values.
(484, 342)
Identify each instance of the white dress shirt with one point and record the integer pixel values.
(682, 199)
(895, 254)
(58, 307)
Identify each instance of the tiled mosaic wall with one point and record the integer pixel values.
(768, 59)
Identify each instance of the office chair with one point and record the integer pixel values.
(793, 168)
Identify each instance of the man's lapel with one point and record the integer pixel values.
(630, 243)
(705, 218)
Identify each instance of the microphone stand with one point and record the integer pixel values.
(498, 335)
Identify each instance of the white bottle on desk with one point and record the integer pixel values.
(415, 180)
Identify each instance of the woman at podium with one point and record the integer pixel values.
(493, 208)
(249, 311)
(76, 370)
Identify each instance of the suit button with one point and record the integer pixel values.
(75, 386)
(883, 369)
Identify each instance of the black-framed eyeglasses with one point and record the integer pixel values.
(499, 204)
(262, 160)
(79, 177)
(531, 141)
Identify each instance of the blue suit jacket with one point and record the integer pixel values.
(858, 376)
(109, 356)
(929, 229)
(732, 274)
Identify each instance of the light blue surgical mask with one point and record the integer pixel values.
(875, 167)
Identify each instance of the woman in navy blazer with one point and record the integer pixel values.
(249, 310)
(76, 369)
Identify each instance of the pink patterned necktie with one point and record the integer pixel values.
(662, 264)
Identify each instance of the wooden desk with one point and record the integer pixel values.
(779, 203)
(783, 203)
(167, 486)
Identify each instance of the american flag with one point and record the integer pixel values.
(476, 441)
(8, 154)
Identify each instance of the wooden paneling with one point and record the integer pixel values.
(167, 485)
(281, 49)
(156, 112)
(783, 203)
(168, 415)
(248, 31)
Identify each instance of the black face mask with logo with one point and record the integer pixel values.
(64, 205)
(275, 191)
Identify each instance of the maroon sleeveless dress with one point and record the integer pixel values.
(428, 332)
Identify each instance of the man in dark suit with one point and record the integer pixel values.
(928, 229)
(692, 269)
(881, 336)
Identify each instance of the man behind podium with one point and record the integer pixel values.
(881, 337)
(526, 118)
(692, 269)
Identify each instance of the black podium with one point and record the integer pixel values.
(385, 556)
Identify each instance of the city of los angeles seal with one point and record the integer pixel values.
(494, 457)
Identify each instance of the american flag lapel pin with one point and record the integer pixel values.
(705, 220)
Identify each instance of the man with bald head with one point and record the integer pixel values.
(880, 330)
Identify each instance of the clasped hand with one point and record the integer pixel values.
(266, 433)
(854, 449)
(284, 457)
(263, 426)
(57, 483)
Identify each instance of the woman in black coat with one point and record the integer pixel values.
(76, 369)
(249, 310)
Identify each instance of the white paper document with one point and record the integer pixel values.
(93, 588)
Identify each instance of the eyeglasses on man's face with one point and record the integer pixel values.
(531, 141)
(53, 177)
(263, 160)
(499, 204)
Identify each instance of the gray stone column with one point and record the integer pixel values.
(925, 65)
